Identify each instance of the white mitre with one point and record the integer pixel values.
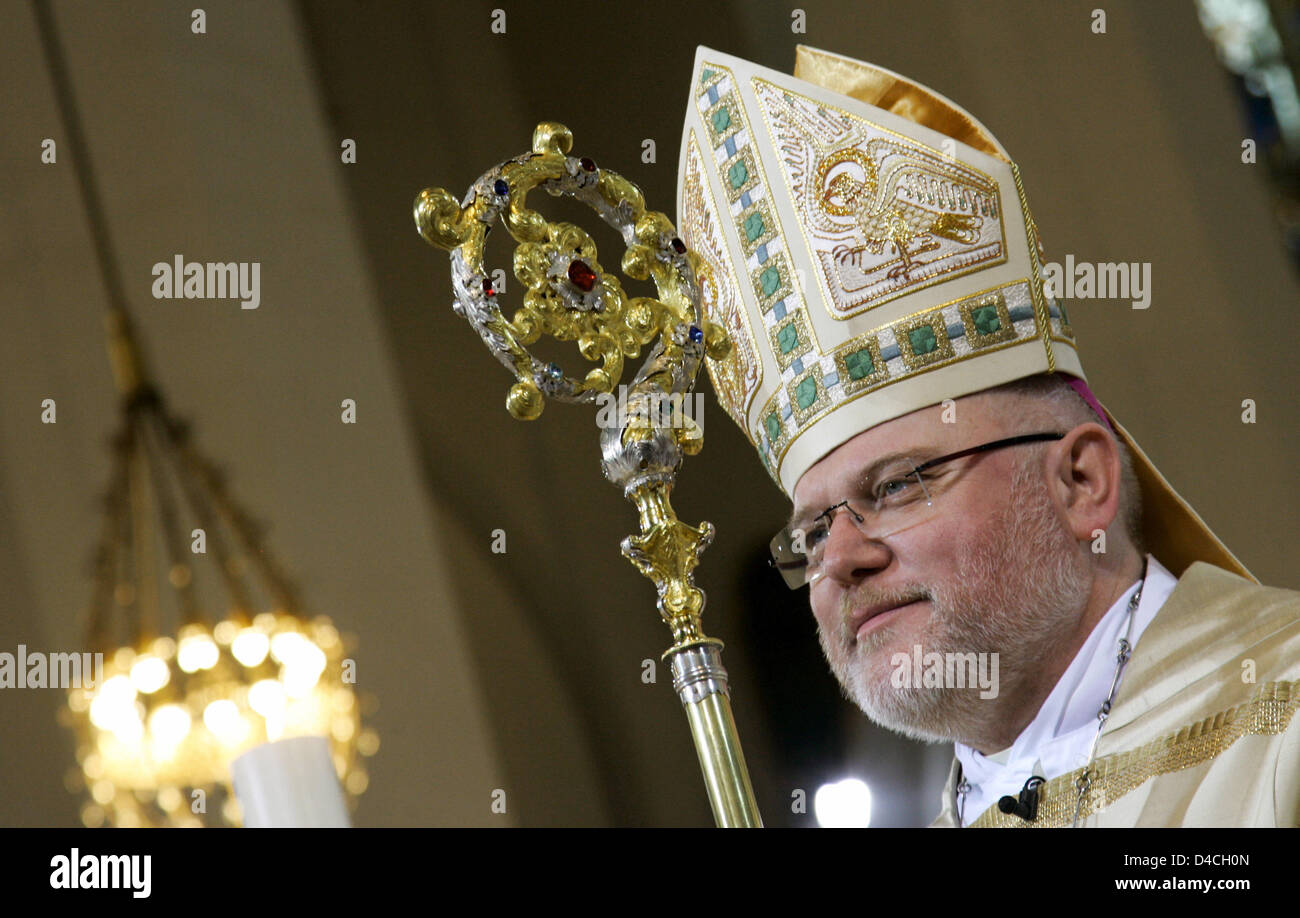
(868, 246)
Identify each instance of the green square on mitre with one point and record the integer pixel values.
(721, 119)
(986, 319)
(773, 427)
(806, 392)
(705, 75)
(922, 340)
(754, 226)
(859, 364)
(738, 173)
(769, 280)
(788, 338)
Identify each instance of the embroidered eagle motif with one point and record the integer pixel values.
(884, 213)
(891, 211)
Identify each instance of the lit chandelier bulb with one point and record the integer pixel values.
(299, 682)
(113, 703)
(197, 651)
(129, 725)
(250, 647)
(223, 719)
(288, 647)
(149, 674)
(267, 698)
(169, 724)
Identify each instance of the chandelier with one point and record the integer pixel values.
(207, 650)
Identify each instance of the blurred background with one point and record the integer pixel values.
(523, 670)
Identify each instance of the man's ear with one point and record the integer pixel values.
(1084, 478)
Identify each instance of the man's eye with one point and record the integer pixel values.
(814, 536)
(895, 487)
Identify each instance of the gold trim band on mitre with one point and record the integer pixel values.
(1036, 278)
(791, 425)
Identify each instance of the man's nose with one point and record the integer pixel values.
(851, 554)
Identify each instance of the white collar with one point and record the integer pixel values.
(1059, 737)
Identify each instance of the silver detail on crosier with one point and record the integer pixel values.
(698, 672)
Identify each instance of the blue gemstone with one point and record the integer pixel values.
(696, 335)
(500, 187)
(555, 371)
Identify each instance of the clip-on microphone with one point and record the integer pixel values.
(1027, 806)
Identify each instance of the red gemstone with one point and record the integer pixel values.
(581, 275)
(678, 246)
(587, 164)
(487, 287)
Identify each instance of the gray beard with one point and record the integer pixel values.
(1015, 593)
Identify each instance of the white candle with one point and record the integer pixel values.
(290, 783)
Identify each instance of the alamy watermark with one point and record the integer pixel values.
(50, 670)
(659, 409)
(1106, 280)
(196, 280)
(945, 670)
(103, 871)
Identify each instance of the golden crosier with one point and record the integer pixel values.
(667, 550)
(569, 296)
(622, 326)
(438, 217)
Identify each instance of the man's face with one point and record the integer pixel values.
(992, 569)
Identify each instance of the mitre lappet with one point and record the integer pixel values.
(868, 246)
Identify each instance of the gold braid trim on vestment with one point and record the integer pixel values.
(1266, 714)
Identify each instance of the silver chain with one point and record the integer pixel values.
(1084, 782)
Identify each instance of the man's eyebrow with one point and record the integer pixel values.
(919, 455)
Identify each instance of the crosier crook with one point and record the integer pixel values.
(570, 296)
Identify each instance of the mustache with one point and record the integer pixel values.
(865, 596)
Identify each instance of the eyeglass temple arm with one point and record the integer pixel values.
(985, 447)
